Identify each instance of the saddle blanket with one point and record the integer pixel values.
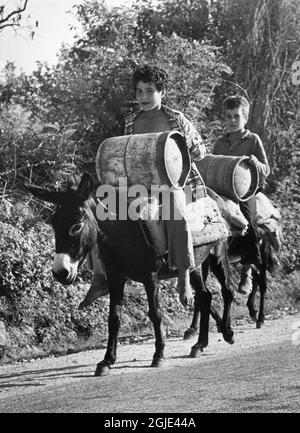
(269, 219)
(203, 217)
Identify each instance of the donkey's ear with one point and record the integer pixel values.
(86, 187)
(45, 194)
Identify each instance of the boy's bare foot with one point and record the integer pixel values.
(99, 287)
(186, 296)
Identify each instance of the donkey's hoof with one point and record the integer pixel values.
(189, 333)
(196, 352)
(158, 362)
(102, 370)
(259, 324)
(253, 317)
(253, 313)
(229, 338)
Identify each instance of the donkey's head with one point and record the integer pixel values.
(74, 226)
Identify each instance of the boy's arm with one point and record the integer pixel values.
(217, 145)
(259, 157)
(128, 126)
(193, 139)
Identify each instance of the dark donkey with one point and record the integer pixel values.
(259, 281)
(126, 255)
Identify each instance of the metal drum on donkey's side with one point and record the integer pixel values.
(235, 177)
(144, 159)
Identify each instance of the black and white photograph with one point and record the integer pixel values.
(149, 210)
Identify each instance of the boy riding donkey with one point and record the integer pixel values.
(150, 84)
(239, 141)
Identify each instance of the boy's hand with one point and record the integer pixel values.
(254, 160)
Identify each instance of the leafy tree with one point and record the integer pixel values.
(259, 41)
(90, 87)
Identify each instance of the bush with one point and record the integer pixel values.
(30, 151)
(26, 250)
(38, 312)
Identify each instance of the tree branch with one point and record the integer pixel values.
(4, 21)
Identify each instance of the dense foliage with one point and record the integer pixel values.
(53, 120)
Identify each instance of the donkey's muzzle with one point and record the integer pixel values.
(64, 270)
(64, 277)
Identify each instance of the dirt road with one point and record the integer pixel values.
(259, 373)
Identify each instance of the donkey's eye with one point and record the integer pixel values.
(75, 229)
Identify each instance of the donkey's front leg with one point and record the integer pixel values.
(152, 289)
(204, 300)
(116, 291)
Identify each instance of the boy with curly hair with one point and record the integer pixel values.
(150, 84)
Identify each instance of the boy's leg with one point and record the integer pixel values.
(251, 256)
(99, 286)
(180, 245)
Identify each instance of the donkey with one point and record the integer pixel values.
(259, 281)
(126, 255)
